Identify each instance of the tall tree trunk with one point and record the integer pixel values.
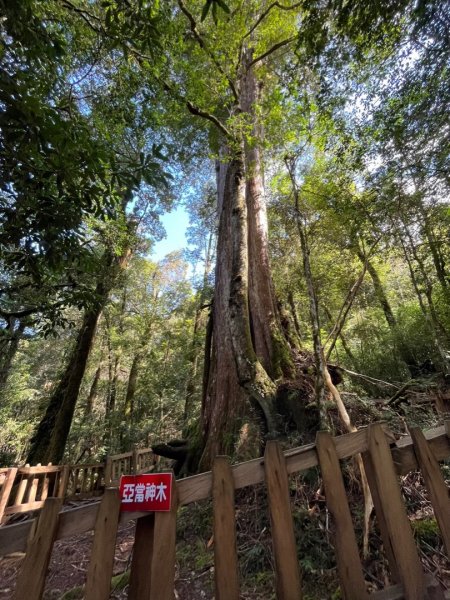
(428, 318)
(438, 259)
(49, 441)
(379, 290)
(131, 387)
(291, 303)
(195, 353)
(344, 343)
(321, 367)
(9, 348)
(249, 350)
(404, 351)
(92, 393)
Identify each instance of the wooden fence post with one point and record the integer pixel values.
(381, 519)
(141, 564)
(98, 583)
(163, 563)
(225, 551)
(108, 471)
(287, 571)
(347, 556)
(135, 461)
(434, 483)
(63, 481)
(6, 490)
(31, 578)
(397, 523)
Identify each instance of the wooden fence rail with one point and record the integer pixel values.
(153, 565)
(23, 489)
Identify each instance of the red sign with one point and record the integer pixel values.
(151, 492)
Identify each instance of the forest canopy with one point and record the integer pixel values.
(309, 144)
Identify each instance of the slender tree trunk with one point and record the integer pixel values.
(9, 349)
(195, 353)
(428, 289)
(379, 290)
(319, 357)
(295, 319)
(344, 343)
(92, 393)
(428, 319)
(438, 260)
(403, 348)
(131, 387)
(49, 441)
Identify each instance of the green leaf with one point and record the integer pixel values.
(205, 10)
(223, 6)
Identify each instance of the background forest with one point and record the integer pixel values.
(309, 144)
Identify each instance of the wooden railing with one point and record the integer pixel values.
(153, 563)
(26, 488)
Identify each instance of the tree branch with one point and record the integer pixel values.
(202, 44)
(195, 110)
(267, 11)
(270, 51)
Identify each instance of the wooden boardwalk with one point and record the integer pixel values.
(154, 556)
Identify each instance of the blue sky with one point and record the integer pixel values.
(175, 224)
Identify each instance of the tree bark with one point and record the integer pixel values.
(249, 350)
(379, 290)
(9, 349)
(49, 441)
(131, 387)
(92, 393)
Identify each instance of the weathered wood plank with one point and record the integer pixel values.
(33, 488)
(63, 481)
(396, 592)
(381, 519)
(225, 551)
(21, 489)
(31, 578)
(6, 490)
(98, 583)
(287, 570)
(435, 484)
(351, 577)
(38, 469)
(21, 508)
(163, 563)
(403, 453)
(141, 565)
(402, 541)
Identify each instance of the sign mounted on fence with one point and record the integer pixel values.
(151, 492)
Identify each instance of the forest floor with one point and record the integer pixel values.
(194, 568)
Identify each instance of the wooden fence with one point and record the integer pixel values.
(154, 554)
(26, 488)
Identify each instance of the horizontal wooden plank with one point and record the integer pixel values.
(13, 538)
(21, 508)
(88, 466)
(79, 520)
(144, 451)
(403, 454)
(395, 592)
(121, 456)
(39, 470)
